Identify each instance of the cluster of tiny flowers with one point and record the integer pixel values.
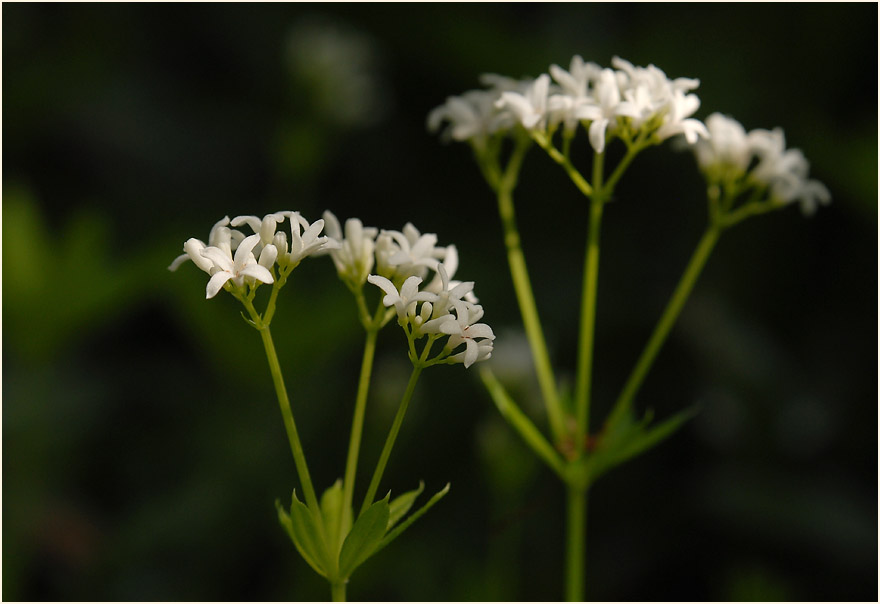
(758, 159)
(402, 260)
(627, 100)
(231, 256)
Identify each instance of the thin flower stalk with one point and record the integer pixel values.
(524, 294)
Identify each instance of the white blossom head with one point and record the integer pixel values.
(231, 257)
(529, 107)
(240, 270)
(400, 254)
(625, 100)
(353, 254)
(474, 116)
(758, 160)
(441, 309)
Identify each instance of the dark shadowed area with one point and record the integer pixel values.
(143, 449)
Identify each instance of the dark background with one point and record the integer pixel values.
(142, 446)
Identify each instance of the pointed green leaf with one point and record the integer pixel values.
(331, 512)
(392, 535)
(401, 505)
(631, 438)
(306, 536)
(649, 437)
(365, 535)
(521, 423)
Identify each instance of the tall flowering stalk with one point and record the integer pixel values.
(440, 320)
(639, 107)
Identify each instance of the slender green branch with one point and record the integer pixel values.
(522, 424)
(575, 557)
(273, 297)
(563, 159)
(392, 436)
(588, 307)
(754, 208)
(621, 168)
(299, 457)
(357, 424)
(664, 325)
(524, 294)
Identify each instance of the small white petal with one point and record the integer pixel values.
(258, 272)
(215, 284)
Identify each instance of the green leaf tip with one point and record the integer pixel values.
(394, 533)
(307, 536)
(402, 504)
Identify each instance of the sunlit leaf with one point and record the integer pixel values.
(306, 535)
(401, 505)
(393, 534)
(364, 537)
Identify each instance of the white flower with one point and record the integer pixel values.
(529, 107)
(264, 227)
(449, 292)
(785, 171)
(576, 81)
(405, 300)
(463, 329)
(729, 153)
(575, 84)
(220, 236)
(353, 256)
(469, 115)
(402, 254)
(305, 240)
(239, 270)
(604, 112)
(274, 246)
(727, 145)
(659, 102)
(677, 120)
(473, 116)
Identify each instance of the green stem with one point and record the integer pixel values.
(631, 153)
(299, 457)
(664, 325)
(524, 294)
(563, 159)
(522, 424)
(337, 591)
(588, 307)
(575, 557)
(392, 436)
(357, 425)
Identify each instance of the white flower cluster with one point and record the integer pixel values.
(627, 100)
(255, 256)
(404, 259)
(759, 156)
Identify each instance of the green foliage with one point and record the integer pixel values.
(336, 522)
(364, 537)
(401, 505)
(628, 439)
(307, 535)
(336, 550)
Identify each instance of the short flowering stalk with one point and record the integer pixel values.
(504, 189)
(623, 404)
(426, 313)
(296, 447)
(372, 328)
(324, 531)
(392, 437)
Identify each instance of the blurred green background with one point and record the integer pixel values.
(142, 445)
